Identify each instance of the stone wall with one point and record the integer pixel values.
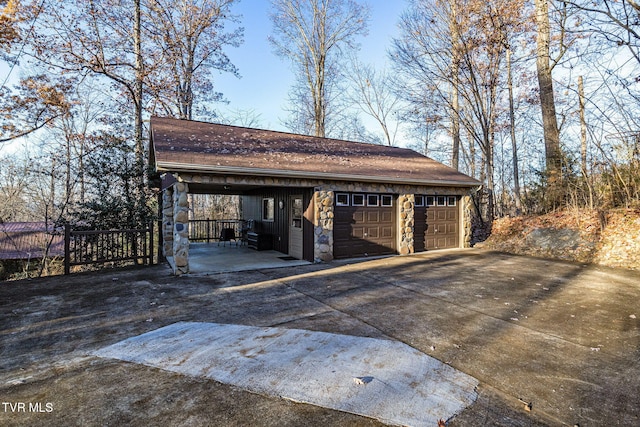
(167, 222)
(180, 228)
(406, 208)
(323, 226)
(467, 213)
(610, 238)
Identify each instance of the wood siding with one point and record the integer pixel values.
(279, 227)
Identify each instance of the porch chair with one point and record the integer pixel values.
(227, 235)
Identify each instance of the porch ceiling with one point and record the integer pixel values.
(200, 188)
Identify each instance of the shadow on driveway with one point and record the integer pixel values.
(562, 336)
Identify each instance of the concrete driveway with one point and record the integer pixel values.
(563, 337)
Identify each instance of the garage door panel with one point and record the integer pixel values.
(342, 218)
(364, 231)
(430, 242)
(437, 227)
(420, 228)
(443, 242)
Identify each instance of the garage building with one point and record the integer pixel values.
(312, 198)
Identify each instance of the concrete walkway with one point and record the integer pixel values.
(382, 379)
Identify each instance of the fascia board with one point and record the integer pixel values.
(279, 173)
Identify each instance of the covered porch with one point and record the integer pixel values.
(212, 258)
(268, 230)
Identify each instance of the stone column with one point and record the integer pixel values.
(167, 222)
(467, 215)
(180, 228)
(406, 208)
(323, 226)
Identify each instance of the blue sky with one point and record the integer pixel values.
(266, 78)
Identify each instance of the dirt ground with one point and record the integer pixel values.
(563, 336)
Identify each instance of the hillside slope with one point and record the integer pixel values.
(610, 238)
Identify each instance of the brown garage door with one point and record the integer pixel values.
(364, 225)
(436, 223)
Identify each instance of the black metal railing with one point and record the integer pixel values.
(215, 230)
(85, 247)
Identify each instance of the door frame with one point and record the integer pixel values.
(296, 226)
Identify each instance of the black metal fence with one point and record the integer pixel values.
(212, 230)
(102, 246)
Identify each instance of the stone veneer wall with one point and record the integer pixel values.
(323, 226)
(467, 212)
(406, 208)
(180, 228)
(323, 205)
(167, 222)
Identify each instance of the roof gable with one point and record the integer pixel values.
(191, 146)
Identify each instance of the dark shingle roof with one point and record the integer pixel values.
(191, 146)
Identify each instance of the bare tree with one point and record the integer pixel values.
(456, 53)
(240, 117)
(617, 21)
(512, 133)
(313, 34)
(374, 95)
(102, 39)
(189, 36)
(460, 52)
(140, 58)
(14, 180)
(36, 102)
(553, 153)
(429, 53)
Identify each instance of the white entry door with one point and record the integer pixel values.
(296, 210)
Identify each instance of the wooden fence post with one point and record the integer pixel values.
(67, 248)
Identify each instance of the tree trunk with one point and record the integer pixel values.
(553, 155)
(67, 172)
(139, 76)
(319, 95)
(52, 193)
(455, 70)
(583, 127)
(583, 142)
(514, 145)
(489, 141)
